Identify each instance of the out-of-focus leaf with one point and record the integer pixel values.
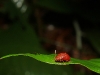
(94, 36)
(89, 10)
(55, 5)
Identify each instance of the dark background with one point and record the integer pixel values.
(43, 26)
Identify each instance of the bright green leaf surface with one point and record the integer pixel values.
(93, 64)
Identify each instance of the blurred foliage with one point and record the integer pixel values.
(55, 5)
(94, 36)
(85, 8)
(89, 10)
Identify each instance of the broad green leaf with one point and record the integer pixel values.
(93, 64)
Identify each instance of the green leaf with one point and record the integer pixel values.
(92, 64)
